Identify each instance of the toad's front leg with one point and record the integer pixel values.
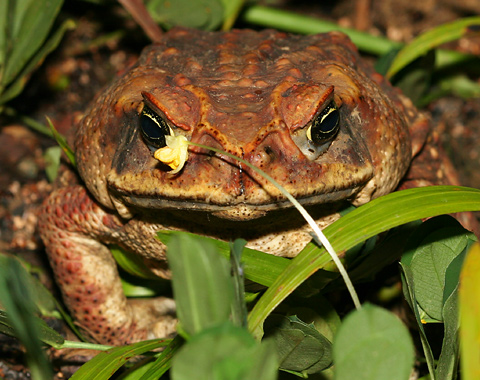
(74, 228)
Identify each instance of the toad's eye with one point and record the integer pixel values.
(325, 126)
(154, 128)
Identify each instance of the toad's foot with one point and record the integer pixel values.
(71, 226)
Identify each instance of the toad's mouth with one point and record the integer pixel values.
(238, 211)
(252, 199)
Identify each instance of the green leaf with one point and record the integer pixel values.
(200, 14)
(452, 274)
(415, 79)
(15, 87)
(163, 363)
(132, 263)
(5, 326)
(16, 297)
(409, 292)
(239, 307)
(106, 363)
(232, 9)
(372, 344)
(301, 348)
(201, 283)
(44, 332)
(323, 315)
(259, 267)
(447, 365)
(3, 35)
(383, 63)
(384, 252)
(52, 162)
(31, 23)
(62, 141)
(362, 223)
(225, 352)
(431, 39)
(469, 301)
(429, 265)
(44, 301)
(460, 85)
(135, 287)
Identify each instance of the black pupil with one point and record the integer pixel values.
(154, 128)
(330, 121)
(325, 125)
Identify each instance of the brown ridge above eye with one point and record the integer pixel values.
(325, 126)
(154, 128)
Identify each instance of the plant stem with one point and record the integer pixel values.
(284, 20)
(377, 45)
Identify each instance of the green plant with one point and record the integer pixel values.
(24, 28)
(343, 234)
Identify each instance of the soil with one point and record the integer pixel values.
(106, 42)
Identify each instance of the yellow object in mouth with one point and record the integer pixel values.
(174, 154)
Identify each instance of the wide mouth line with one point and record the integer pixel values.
(192, 204)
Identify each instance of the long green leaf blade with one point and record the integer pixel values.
(201, 283)
(3, 37)
(409, 292)
(368, 220)
(259, 267)
(16, 296)
(469, 297)
(105, 364)
(14, 88)
(163, 362)
(36, 20)
(429, 40)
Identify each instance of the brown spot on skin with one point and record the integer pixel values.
(295, 73)
(170, 52)
(181, 80)
(251, 70)
(73, 268)
(245, 82)
(260, 84)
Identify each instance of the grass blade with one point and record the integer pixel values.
(469, 295)
(368, 220)
(431, 39)
(16, 297)
(105, 364)
(163, 362)
(35, 22)
(201, 283)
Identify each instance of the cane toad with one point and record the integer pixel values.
(305, 109)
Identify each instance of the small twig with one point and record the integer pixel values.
(140, 14)
(362, 19)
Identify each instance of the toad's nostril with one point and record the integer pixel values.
(270, 153)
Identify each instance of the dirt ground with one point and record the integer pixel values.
(106, 42)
